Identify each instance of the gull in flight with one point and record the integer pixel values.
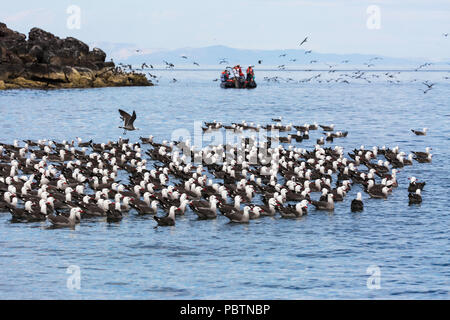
(304, 40)
(128, 121)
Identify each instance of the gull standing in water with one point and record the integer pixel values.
(128, 121)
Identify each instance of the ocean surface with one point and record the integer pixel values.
(321, 256)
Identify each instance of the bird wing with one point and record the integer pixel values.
(131, 120)
(319, 204)
(57, 219)
(124, 115)
(234, 216)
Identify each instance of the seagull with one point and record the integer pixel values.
(184, 57)
(196, 64)
(357, 204)
(445, 34)
(62, 221)
(309, 51)
(168, 64)
(304, 40)
(415, 197)
(429, 85)
(420, 133)
(168, 220)
(282, 55)
(128, 121)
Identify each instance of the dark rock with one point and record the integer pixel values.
(37, 35)
(37, 52)
(46, 61)
(76, 46)
(10, 71)
(9, 38)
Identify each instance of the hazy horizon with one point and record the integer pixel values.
(411, 29)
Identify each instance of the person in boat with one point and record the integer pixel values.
(237, 71)
(225, 76)
(241, 76)
(250, 75)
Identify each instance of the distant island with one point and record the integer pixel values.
(44, 61)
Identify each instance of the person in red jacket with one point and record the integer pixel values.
(250, 74)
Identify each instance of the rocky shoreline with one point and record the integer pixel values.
(44, 61)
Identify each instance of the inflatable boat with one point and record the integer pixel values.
(236, 84)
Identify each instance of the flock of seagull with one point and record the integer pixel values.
(326, 76)
(66, 182)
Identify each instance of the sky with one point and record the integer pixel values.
(397, 28)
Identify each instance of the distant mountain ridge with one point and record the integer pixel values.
(210, 56)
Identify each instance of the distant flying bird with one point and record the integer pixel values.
(128, 121)
(313, 61)
(144, 65)
(137, 50)
(304, 40)
(429, 85)
(259, 61)
(196, 64)
(293, 60)
(224, 60)
(168, 64)
(345, 61)
(445, 34)
(282, 55)
(423, 65)
(309, 51)
(184, 57)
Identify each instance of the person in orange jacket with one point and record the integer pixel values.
(250, 74)
(225, 76)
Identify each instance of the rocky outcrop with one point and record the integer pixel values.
(45, 61)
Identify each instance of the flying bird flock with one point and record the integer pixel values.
(329, 75)
(66, 182)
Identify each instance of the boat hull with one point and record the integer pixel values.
(238, 85)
